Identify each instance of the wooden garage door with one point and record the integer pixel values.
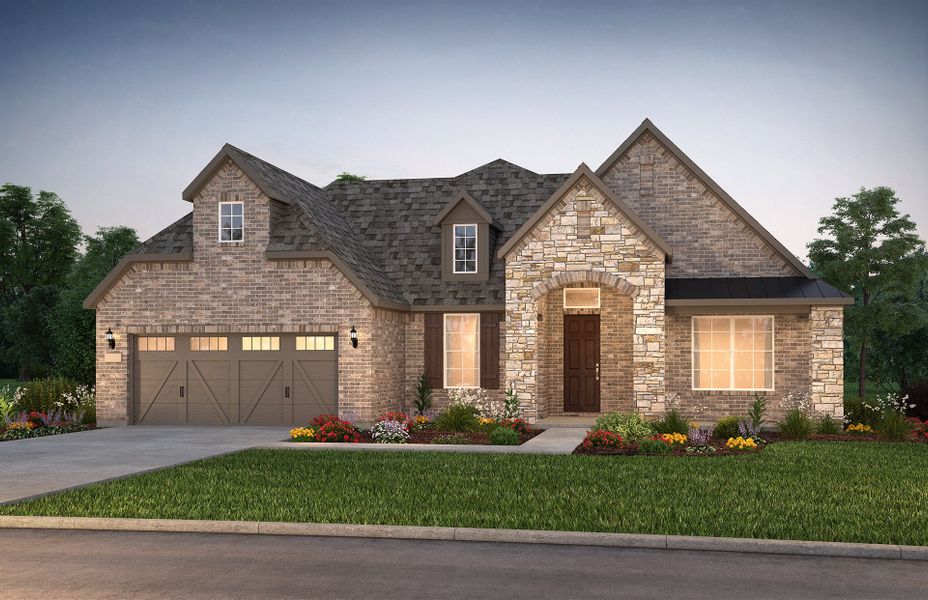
(228, 379)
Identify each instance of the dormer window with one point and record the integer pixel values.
(231, 222)
(465, 248)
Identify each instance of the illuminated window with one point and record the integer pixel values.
(462, 350)
(270, 343)
(231, 221)
(733, 353)
(209, 344)
(156, 344)
(315, 342)
(581, 297)
(465, 248)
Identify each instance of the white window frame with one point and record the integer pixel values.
(219, 224)
(731, 377)
(598, 298)
(454, 253)
(444, 351)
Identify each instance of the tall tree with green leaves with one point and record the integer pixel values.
(72, 326)
(38, 246)
(871, 251)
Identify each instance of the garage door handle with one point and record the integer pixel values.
(181, 391)
(286, 391)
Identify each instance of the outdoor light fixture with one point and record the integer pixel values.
(110, 339)
(353, 334)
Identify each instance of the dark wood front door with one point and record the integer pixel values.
(581, 363)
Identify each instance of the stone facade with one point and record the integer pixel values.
(826, 330)
(232, 287)
(584, 238)
(708, 238)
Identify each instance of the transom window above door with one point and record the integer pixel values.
(581, 297)
(231, 221)
(465, 248)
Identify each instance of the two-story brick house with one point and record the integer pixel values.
(275, 300)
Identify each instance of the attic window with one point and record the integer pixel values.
(465, 248)
(231, 222)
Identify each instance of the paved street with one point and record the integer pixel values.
(41, 465)
(82, 564)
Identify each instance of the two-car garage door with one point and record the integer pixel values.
(222, 379)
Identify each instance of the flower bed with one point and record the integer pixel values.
(399, 428)
(34, 424)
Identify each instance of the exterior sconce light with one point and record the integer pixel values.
(353, 334)
(110, 339)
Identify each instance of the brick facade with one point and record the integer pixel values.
(707, 237)
(584, 240)
(232, 287)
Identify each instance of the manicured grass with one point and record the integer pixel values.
(855, 492)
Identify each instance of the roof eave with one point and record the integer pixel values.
(701, 302)
(113, 277)
(209, 171)
(647, 125)
(584, 171)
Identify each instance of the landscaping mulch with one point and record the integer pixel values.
(427, 436)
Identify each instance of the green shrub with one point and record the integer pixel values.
(423, 401)
(894, 426)
(628, 425)
(796, 425)
(827, 425)
(727, 427)
(504, 436)
(653, 447)
(673, 422)
(451, 438)
(458, 417)
(757, 411)
(43, 394)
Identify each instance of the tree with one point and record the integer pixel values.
(902, 359)
(873, 253)
(346, 176)
(72, 326)
(38, 240)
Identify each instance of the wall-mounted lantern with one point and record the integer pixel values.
(110, 339)
(353, 334)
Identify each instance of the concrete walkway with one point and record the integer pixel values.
(39, 466)
(557, 440)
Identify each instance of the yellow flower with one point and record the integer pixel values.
(302, 432)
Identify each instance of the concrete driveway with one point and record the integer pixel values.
(38, 466)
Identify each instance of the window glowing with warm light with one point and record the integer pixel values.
(733, 353)
(462, 350)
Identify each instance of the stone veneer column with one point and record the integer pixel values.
(648, 344)
(826, 365)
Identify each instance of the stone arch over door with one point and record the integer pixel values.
(615, 321)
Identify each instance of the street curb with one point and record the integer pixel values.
(514, 536)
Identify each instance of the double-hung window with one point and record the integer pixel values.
(465, 249)
(733, 353)
(231, 221)
(462, 350)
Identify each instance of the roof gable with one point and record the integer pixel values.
(648, 127)
(465, 198)
(584, 172)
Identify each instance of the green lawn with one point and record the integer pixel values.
(855, 492)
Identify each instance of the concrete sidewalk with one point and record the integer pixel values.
(557, 440)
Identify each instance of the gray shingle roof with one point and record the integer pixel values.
(395, 221)
(385, 232)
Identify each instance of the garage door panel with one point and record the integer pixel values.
(256, 387)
